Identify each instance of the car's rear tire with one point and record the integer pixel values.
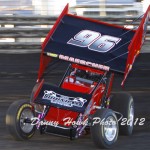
(104, 133)
(124, 104)
(33, 92)
(15, 117)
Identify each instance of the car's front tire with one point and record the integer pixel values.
(105, 132)
(17, 113)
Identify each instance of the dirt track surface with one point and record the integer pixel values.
(17, 77)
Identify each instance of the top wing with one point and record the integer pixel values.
(88, 42)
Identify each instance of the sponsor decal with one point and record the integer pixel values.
(80, 61)
(83, 62)
(52, 55)
(63, 100)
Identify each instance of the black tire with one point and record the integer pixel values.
(97, 130)
(123, 103)
(14, 120)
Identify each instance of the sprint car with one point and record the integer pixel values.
(83, 101)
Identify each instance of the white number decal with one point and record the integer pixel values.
(94, 41)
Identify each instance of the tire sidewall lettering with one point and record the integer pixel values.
(21, 109)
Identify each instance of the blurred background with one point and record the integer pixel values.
(88, 8)
(25, 23)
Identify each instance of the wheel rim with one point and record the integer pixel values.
(110, 128)
(26, 114)
(131, 115)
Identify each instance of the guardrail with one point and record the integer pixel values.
(25, 28)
